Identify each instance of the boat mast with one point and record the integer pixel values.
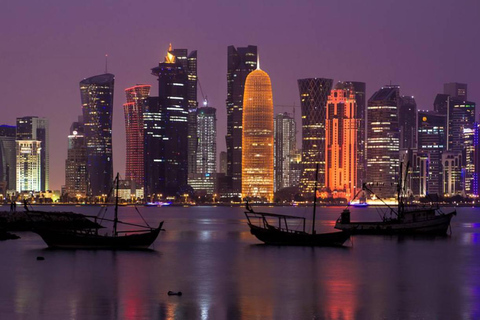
(115, 220)
(315, 199)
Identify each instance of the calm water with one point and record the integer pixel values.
(209, 254)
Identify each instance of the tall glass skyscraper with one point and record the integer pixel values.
(407, 119)
(241, 61)
(32, 129)
(76, 163)
(173, 104)
(97, 105)
(257, 140)
(314, 93)
(383, 141)
(134, 109)
(7, 158)
(285, 147)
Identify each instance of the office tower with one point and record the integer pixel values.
(28, 165)
(284, 137)
(76, 163)
(383, 141)
(7, 158)
(241, 61)
(432, 133)
(97, 105)
(361, 115)
(33, 129)
(173, 104)
(204, 177)
(189, 64)
(407, 122)
(154, 153)
(296, 168)
(452, 171)
(257, 140)
(313, 98)
(457, 91)
(476, 174)
(134, 109)
(440, 104)
(223, 162)
(341, 142)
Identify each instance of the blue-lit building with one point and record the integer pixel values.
(97, 105)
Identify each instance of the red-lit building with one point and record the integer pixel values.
(134, 108)
(341, 142)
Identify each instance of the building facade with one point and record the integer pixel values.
(76, 163)
(257, 140)
(241, 61)
(285, 142)
(7, 158)
(97, 105)
(314, 93)
(341, 142)
(383, 141)
(133, 110)
(407, 122)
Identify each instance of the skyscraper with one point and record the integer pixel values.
(97, 105)
(313, 98)
(361, 115)
(383, 141)
(7, 158)
(341, 142)
(33, 129)
(285, 148)
(257, 140)
(76, 163)
(134, 109)
(407, 119)
(204, 177)
(173, 104)
(189, 64)
(241, 61)
(457, 91)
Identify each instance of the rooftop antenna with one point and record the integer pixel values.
(106, 63)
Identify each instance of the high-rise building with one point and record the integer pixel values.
(284, 137)
(241, 61)
(314, 93)
(383, 141)
(7, 158)
(189, 64)
(341, 142)
(154, 154)
(173, 104)
(204, 177)
(97, 105)
(257, 140)
(457, 91)
(76, 163)
(33, 129)
(432, 140)
(223, 162)
(134, 109)
(407, 122)
(361, 115)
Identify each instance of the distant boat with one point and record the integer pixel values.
(280, 233)
(403, 220)
(75, 238)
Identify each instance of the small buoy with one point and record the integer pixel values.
(171, 293)
(40, 258)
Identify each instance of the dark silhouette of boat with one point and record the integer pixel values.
(274, 229)
(403, 220)
(91, 238)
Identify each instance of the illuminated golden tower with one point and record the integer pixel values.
(257, 142)
(341, 142)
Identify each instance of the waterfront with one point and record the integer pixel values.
(209, 254)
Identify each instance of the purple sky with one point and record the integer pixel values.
(47, 47)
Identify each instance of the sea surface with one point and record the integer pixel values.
(224, 272)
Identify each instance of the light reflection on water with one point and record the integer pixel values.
(225, 273)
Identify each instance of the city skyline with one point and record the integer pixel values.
(59, 53)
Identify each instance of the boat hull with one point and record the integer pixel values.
(66, 239)
(437, 225)
(273, 236)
